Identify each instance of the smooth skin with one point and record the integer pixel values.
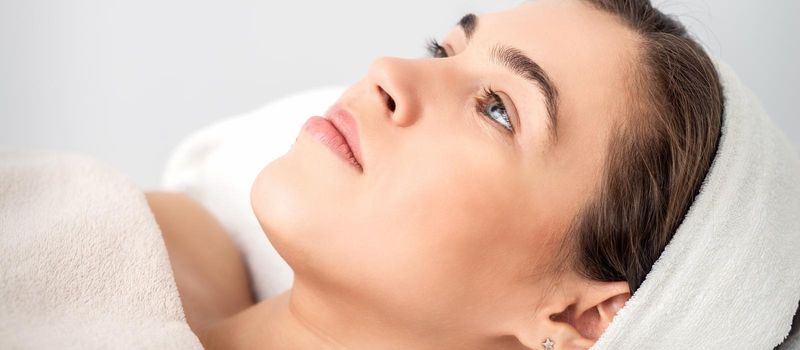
(209, 271)
(448, 237)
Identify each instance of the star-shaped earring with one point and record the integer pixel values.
(548, 344)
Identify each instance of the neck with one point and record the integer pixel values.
(300, 319)
(270, 324)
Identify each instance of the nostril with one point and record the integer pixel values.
(387, 99)
(390, 103)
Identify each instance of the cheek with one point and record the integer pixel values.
(439, 223)
(453, 229)
(451, 200)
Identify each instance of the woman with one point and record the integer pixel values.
(510, 192)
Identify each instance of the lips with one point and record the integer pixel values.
(346, 125)
(339, 132)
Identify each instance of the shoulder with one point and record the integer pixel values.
(209, 271)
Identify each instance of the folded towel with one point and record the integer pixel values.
(729, 279)
(82, 261)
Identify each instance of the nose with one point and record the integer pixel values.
(397, 82)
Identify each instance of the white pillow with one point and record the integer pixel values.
(217, 165)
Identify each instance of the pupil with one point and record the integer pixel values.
(495, 108)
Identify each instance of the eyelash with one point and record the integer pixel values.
(487, 96)
(435, 50)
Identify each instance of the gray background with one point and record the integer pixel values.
(125, 81)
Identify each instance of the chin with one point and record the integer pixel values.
(299, 197)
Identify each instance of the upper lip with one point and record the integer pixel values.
(346, 124)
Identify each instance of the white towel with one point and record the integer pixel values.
(729, 279)
(82, 261)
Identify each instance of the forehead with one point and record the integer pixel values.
(586, 52)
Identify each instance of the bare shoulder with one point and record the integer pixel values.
(209, 271)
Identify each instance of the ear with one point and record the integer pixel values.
(597, 307)
(576, 316)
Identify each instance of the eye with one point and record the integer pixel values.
(491, 105)
(435, 49)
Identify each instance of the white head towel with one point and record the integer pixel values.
(729, 279)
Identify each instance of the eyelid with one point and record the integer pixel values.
(449, 50)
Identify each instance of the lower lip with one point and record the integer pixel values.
(325, 132)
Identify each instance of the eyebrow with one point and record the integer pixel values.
(468, 23)
(515, 60)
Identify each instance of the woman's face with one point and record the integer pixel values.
(463, 198)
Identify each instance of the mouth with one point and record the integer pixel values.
(337, 130)
(346, 125)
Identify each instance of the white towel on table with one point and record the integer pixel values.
(729, 279)
(82, 261)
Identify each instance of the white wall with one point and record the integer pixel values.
(125, 81)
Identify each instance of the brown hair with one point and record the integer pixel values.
(657, 159)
